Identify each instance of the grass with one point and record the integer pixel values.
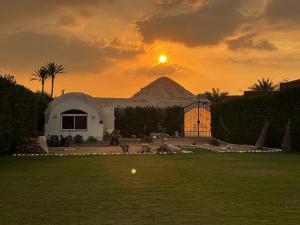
(202, 188)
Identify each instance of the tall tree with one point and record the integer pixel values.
(53, 70)
(215, 96)
(40, 75)
(265, 84)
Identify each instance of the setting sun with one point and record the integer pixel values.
(163, 59)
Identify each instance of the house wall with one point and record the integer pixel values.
(290, 85)
(95, 129)
(108, 115)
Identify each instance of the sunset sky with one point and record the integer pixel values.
(110, 48)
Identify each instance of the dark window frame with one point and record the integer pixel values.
(78, 113)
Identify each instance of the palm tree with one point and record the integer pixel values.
(40, 75)
(215, 96)
(265, 84)
(53, 70)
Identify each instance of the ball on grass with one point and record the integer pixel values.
(133, 171)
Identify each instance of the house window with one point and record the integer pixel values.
(74, 120)
(80, 122)
(68, 122)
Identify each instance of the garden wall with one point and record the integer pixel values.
(21, 113)
(140, 121)
(241, 120)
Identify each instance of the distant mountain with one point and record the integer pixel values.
(162, 92)
(163, 87)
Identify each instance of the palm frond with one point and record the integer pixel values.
(265, 84)
(40, 75)
(54, 69)
(215, 96)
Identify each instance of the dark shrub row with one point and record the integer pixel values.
(21, 114)
(240, 121)
(142, 121)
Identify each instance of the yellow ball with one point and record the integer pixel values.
(133, 171)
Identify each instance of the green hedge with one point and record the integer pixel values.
(21, 113)
(241, 120)
(142, 121)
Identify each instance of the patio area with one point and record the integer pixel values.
(134, 146)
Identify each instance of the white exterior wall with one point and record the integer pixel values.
(108, 115)
(94, 128)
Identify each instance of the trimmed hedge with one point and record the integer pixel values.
(241, 120)
(21, 114)
(141, 121)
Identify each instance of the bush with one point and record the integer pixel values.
(214, 142)
(92, 140)
(141, 121)
(21, 114)
(240, 121)
(78, 139)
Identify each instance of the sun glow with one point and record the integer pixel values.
(163, 59)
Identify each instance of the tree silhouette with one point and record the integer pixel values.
(8, 78)
(215, 96)
(265, 84)
(53, 70)
(40, 75)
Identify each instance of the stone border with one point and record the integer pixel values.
(219, 149)
(101, 154)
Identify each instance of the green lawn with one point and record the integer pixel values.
(202, 188)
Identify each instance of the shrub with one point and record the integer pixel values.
(78, 139)
(141, 121)
(92, 140)
(214, 142)
(21, 114)
(240, 121)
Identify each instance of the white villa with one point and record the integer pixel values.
(78, 114)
